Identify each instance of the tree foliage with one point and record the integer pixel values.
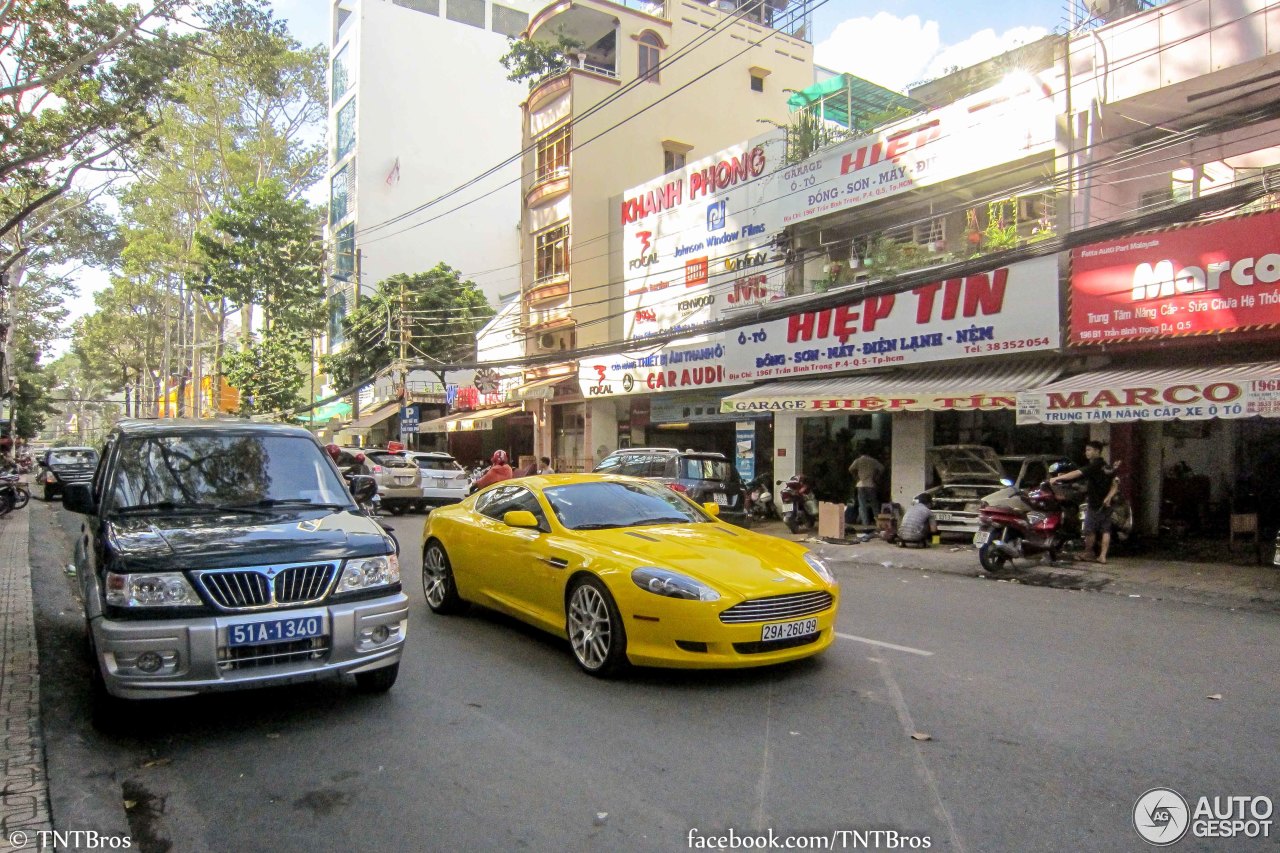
(531, 60)
(436, 315)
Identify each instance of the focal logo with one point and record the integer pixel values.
(1161, 816)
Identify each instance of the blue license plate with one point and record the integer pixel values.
(275, 631)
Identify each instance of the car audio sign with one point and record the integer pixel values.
(1222, 276)
(1011, 309)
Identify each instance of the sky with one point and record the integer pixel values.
(889, 42)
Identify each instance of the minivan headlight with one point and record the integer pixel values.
(369, 572)
(672, 584)
(154, 589)
(815, 563)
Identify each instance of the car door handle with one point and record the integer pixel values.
(555, 562)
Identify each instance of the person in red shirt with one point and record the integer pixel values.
(498, 471)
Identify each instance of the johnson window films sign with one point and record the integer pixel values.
(1222, 276)
(697, 241)
(999, 125)
(1010, 309)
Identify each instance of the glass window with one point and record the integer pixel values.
(553, 155)
(337, 310)
(504, 499)
(341, 75)
(692, 468)
(221, 468)
(672, 160)
(649, 56)
(73, 457)
(469, 12)
(655, 467)
(340, 193)
(431, 7)
(589, 506)
(551, 255)
(345, 131)
(757, 83)
(436, 463)
(633, 465)
(509, 22)
(345, 252)
(610, 465)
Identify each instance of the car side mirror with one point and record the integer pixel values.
(363, 488)
(711, 509)
(78, 497)
(520, 518)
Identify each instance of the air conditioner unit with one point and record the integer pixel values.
(555, 341)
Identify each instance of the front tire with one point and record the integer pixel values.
(48, 492)
(595, 629)
(438, 585)
(21, 496)
(378, 680)
(993, 559)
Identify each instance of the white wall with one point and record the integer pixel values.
(432, 93)
(912, 435)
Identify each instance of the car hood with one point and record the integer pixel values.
(729, 559)
(219, 540)
(965, 463)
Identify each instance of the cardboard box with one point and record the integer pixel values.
(831, 520)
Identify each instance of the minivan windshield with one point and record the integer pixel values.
(73, 457)
(222, 469)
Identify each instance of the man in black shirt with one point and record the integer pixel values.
(1101, 484)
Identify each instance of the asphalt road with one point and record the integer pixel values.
(1050, 712)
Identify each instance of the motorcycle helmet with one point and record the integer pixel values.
(333, 450)
(499, 457)
(1060, 468)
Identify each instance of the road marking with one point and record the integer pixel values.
(885, 645)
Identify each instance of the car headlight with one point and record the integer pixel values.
(157, 589)
(369, 572)
(672, 584)
(815, 563)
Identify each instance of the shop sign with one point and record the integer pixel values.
(875, 403)
(1191, 400)
(744, 457)
(1222, 276)
(1011, 309)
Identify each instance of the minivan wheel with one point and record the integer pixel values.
(595, 629)
(438, 585)
(378, 680)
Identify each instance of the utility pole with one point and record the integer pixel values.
(355, 302)
(196, 393)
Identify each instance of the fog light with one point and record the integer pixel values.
(380, 634)
(149, 662)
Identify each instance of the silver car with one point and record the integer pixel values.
(443, 479)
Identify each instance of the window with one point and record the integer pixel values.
(341, 75)
(344, 253)
(431, 7)
(504, 499)
(509, 22)
(469, 12)
(757, 83)
(552, 155)
(649, 56)
(551, 254)
(672, 160)
(341, 189)
(345, 131)
(337, 310)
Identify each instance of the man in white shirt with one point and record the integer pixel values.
(865, 470)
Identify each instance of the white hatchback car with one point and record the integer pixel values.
(443, 479)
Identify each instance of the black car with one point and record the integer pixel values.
(223, 555)
(706, 477)
(63, 465)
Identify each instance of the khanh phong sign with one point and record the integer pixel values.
(1240, 391)
(1009, 309)
(1222, 276)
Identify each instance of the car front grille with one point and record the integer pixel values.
(267, 586)
(760, 648)
(231, 658)
(777, 607)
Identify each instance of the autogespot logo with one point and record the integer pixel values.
(1161, 816)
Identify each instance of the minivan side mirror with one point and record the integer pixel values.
(363, 488)
(78, 497)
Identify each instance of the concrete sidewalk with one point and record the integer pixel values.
(1220, 584)
(24, 807)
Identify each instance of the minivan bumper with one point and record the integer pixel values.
(197, 659)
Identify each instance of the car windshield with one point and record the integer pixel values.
(595, 506)
(696, 468)
(222, 469)
(427, 463)
(73, 457)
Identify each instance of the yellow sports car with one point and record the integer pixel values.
(629, 571)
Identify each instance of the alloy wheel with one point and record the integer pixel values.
(435, 576)
(590, 627)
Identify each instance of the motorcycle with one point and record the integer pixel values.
(759, 500)
(802, 504)
(14, 494)
(1020, 523)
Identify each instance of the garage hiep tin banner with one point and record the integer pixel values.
(1222, 276)
(1006, 310)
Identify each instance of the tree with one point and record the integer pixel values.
(265, 250)
(121, 342)
(531, 60)
(431, 316)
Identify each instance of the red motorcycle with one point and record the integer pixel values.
(1020, 524)
(800, 504)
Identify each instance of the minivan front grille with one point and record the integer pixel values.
(267, 586)
(273, 654)
(777, 607)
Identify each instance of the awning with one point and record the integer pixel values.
(364, 422)
(1156, 394)
(936, 389)
(481, 419)
(540, 389)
